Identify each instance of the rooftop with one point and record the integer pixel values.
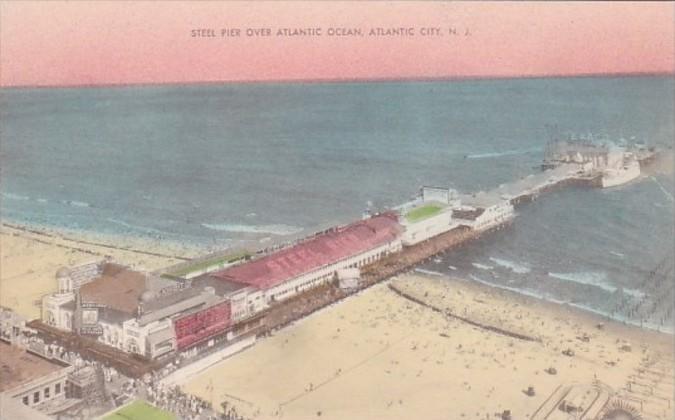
(311, 254)
(160, 302)
(200, 264)
(423, 212)
(537, 180)
(221, 286)
(482, 199)
(117, 287)
(18, 367)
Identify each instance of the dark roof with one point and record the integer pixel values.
(18, 367)
(164, 301)
(221, 286)
(113, 316)
(468, 214)
(117, 287)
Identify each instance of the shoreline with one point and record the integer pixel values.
(142, 244)
(566, 304)
(544, 303)
(86, 239)
(177, 247)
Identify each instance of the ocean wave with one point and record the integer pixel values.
(482, 266)
(525, 292)
(500, 154)
(634, 292)
(75, 203)
(136, 227)
(617, 254)
(517, 268)
(590, 278)
(19, 197)
(15, 196)
(268, 229)
(626, 320)
(549, 298)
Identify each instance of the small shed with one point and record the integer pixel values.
(349, 278)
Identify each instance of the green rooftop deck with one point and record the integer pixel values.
(424, 212)
(200, 265)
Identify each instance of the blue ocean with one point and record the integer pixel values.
(245, 164)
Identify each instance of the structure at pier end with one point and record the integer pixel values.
(615, 162)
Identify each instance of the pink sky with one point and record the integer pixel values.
(98, 42)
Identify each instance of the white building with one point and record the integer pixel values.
(246, 302)
(429, 215)
(349, 278)
(125, 309)
(483, 211)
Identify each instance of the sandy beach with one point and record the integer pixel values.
(29, 259)
(382, 355)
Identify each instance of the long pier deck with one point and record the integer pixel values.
(532, 186)
(283, 313)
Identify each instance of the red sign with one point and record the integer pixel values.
(202, 325)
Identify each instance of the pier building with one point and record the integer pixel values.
(616, 164)
(156, 317)
(587, 153)
(429, 215)
(137, 312)
(484, 210)
(316, 260)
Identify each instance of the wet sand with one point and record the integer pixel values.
(381, 355)
(29, 260)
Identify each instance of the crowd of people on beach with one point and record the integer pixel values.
(174, 400)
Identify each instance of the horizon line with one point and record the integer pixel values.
(336, 80)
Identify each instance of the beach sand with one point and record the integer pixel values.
(380, 355)
(29, 260)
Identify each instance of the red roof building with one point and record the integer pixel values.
(322, 250)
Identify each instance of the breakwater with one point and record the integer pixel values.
(469, 321)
